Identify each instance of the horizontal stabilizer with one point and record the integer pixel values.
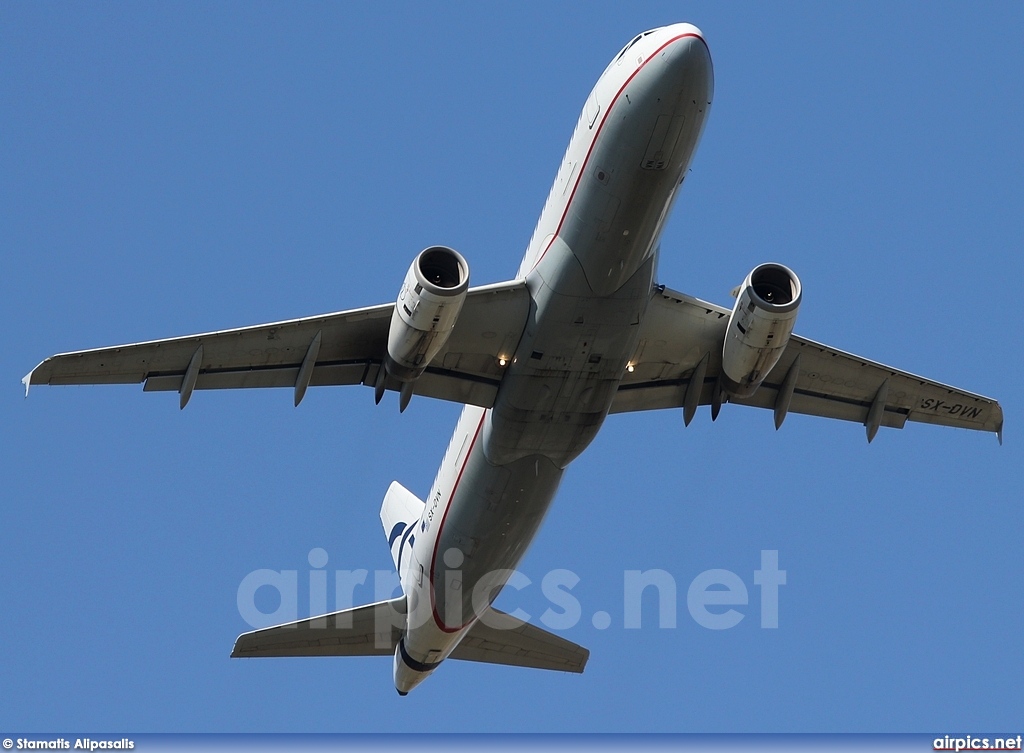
(375, 629)
(507, 640)
(369, 630)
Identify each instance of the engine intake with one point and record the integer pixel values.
(759, 327)
(425, 313)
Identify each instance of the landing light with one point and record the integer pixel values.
(502, 361)
(630, 367)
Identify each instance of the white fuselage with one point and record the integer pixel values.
(590, 270)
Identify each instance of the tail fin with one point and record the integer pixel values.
(399, 515)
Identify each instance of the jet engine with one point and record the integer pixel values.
(759, 328)
(428, 305)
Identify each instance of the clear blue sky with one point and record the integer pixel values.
(173, 168)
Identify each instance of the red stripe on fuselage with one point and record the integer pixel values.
(565, 213)
(440, 528)
(597, 133)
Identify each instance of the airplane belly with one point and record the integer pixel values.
(493, 517)
(466, 549)
(571, 358)
(638, 159)
(593, 273)
(590, 271)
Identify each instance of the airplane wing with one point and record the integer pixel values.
(825, 381)
(332, 349)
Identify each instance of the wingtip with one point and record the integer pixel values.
(27, 381)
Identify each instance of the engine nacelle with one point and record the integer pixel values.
(428, 305)
(759, 328)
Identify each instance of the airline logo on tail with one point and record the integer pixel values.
(399, 514)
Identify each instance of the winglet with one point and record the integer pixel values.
(27, 381)
(999, 429)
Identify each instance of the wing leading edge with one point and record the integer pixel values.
(346, 347)
(810, 377)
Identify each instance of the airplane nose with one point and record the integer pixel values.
(683, 29)
(690, 59)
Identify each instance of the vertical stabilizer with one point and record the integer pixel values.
(399, 515)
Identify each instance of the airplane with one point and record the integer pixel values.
(582, 330)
